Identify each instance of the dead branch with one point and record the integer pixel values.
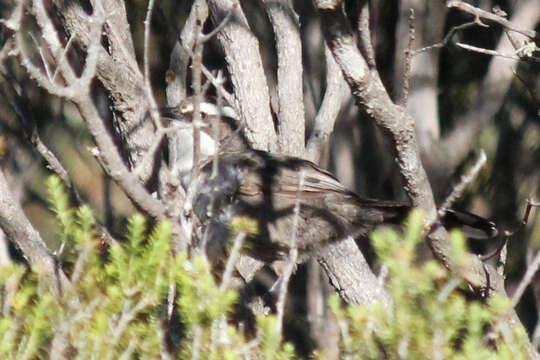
(465, 180)
(485, 15)
(373, 100)
(487, 51)
(409, 52)
(493, 90)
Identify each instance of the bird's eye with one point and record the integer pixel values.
(186, 108)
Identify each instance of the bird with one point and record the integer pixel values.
(240, 189)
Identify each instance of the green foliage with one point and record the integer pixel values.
(429, 317)
(119, 300)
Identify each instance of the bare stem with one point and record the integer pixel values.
(409, 52)
(293, 257)
(465, 180)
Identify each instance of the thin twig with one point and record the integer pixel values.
(219, 87)
(464, 181)
(127, 315)
(365, 37)
(447, 37)
(293, 256)
(197, 97)
(220, 26)
(50, 35)
(216, 125)
(530, 90)
(526, 280)
(29, 127)
(54, 164)
(42, 56)
(231, 261)
(63, 56)
(482, 14)
(147, 84)
(147, 23)
(487, 51)
(409, 52)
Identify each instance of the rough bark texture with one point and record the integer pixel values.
(20, 232)
(291, 124)
(372, 98)
(350, 274)
(336, 91)
(245, 66)
(126, 91)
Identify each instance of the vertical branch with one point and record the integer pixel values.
(147, 84)
(372, 98)
(291, 123)
(293, 256)
(245, 66)
(366, 45)
(180, 56)
(409, 52)
(336, 90)
(197, 93)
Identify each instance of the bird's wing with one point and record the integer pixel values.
(308, 181)
(289, 177)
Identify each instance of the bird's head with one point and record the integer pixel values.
(211, 115)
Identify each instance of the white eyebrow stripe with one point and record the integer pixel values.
(211, 109)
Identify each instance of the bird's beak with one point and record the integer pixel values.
(172, 114)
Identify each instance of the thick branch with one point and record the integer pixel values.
(291, 124)
(399, 126)
(350, 273)
(370, 95)
(20, 232)
(112, 163)
(118, 70)
(372, 99)
(245, 65)
(323, 125)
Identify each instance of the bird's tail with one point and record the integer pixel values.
(473, 226)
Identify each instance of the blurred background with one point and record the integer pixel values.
(357, 153)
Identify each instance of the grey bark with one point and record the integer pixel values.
(245, 66)
(291, 123)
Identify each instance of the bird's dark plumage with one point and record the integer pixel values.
(265, 189)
